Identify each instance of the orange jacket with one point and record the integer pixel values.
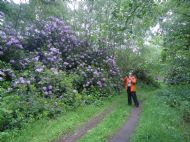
(133, 82)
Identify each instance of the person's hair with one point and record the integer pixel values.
(134, 75)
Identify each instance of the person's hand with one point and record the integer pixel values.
(129, 80)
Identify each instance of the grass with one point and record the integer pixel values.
(47, 130)
(159, 122)
(110, 124)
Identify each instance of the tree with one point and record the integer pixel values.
(176, 25)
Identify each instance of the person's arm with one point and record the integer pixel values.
(133, 80)
(124, 79)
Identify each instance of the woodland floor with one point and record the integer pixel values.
(75, 136)
(113, 121)
(123, 134)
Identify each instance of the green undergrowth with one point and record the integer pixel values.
(45, 130)
(111, 123)
(159, 122)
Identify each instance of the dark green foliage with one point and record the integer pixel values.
(46, 68)
(177, 97)
(17, 110)
(27, 103)
(176, 52)
(145, 77)
(159, 122)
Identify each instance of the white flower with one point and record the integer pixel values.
(75, 91)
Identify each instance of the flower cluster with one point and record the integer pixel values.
(11, 42)
(2, 15)
(50, 62)
(52, 57)
(2, 74)
(21, 80)
(6, 74)
(51, 44)
(23, 62)
(47, 90)
(9, 39)
(52, 33)
(113, 68)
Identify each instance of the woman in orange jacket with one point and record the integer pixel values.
(130, 85)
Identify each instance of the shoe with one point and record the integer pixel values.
(137, 105)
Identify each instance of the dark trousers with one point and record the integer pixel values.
(132, 95)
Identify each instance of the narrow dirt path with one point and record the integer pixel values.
(74, 136)
(124, 134)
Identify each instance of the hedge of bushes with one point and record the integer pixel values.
(45, 69)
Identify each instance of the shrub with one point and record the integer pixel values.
(144, 76)
(177, 97)
(46, 69)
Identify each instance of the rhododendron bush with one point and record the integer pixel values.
(46, 63)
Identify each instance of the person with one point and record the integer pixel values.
(130, 85)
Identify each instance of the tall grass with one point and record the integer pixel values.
(160, 123)
(45, 130)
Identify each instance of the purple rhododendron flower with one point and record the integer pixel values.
(1, 79)
(12, 61)
(65, 63)
(36, 58)
(39, 70)
(100, 84)
(28, 82)
(54, 70)
(22, 80)
(50, 87)
(46, 93)
(2, 73)
(1, 53)
(55, 50)
(19, 46)
(2, 15)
